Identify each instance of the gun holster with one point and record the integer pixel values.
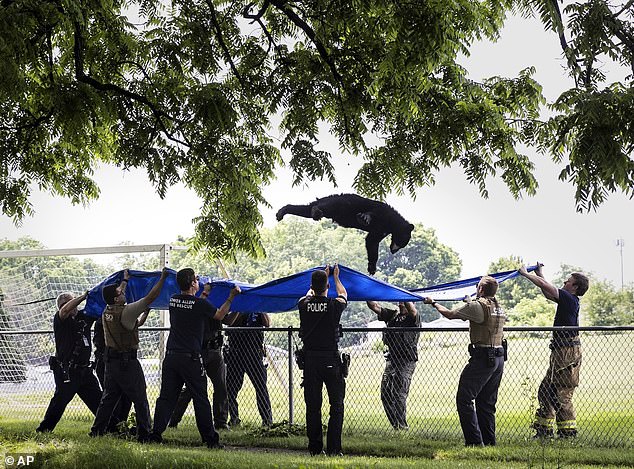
(345, 364)
(300, 358)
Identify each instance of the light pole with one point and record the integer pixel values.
(621, 243)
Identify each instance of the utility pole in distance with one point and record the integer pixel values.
(620, 243)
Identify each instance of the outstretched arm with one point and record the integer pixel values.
(69, 306)
(374, 306)
(341, 290)
(411, 309)
(446, 312)
(224, 308)
(548, 289)
(133, 310)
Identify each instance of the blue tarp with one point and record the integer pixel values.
(282, 294)
(454, 291)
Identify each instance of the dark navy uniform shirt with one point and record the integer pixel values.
(72, 338)
(319, 322)
(246, 340)
(188, 315)
(567, 314)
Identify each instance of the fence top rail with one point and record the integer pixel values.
(366, 329)
(88, 251)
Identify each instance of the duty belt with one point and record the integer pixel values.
(483, 351)
(117, 355)
(322, 353)
(194, 355)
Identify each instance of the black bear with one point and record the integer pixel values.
(354, 211)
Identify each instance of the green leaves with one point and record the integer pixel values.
(190, 91)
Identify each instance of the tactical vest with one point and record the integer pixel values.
(118, 337)
(490, 331)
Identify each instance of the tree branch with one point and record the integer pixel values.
(82, 77)
(625, 7)
(221, 41)
(310, 33)
(321, 49)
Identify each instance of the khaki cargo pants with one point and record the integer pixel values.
(556, 390)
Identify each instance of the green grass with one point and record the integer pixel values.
(604, 403)
(69, 447)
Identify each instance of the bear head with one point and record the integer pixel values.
(400, 237)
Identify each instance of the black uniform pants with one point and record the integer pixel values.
(217, 373)
(122, 409)
(179, 369)
(324, 368)
(479, 382)
(249, 361)
(123, 378)
(82, 382)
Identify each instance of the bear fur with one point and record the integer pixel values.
(354, 211)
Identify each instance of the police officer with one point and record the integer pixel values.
(216, 371)
(123, 372)
(556, 389)
(400, 359)
(319, 318)
(71, 363)
(245, 353)
(122, 409)
(481, 378)
(183, 362)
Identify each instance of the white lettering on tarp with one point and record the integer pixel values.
(182, 303)
(317, 307)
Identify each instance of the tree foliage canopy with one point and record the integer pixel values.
(189, 90)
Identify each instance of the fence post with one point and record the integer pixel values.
(290, 375)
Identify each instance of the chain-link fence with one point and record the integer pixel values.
(604, 400)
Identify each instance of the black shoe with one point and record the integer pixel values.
(337, 454)
(154, 438)
(564, 434)
(317, 453)
(43, 430)
(235, 423)
(543, 435)
(215, 445)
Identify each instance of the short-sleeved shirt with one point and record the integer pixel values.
(319, 318)
(188, 315)
(471, 311)
(567, 314)
(72, 338)
(403, 345)
(246, 340)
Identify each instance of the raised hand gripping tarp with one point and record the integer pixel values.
(284, 293)
(456, 291)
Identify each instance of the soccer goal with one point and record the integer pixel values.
(31, 280)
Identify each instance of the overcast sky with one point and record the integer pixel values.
(545, 227)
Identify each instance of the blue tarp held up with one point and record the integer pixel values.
(282, 294)
(455, 291)
(275, 296)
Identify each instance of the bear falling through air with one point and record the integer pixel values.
(354, 211)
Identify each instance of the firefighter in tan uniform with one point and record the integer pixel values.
(556, 389)
(481, 378)
(123, 373)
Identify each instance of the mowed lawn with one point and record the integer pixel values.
(604, 402)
